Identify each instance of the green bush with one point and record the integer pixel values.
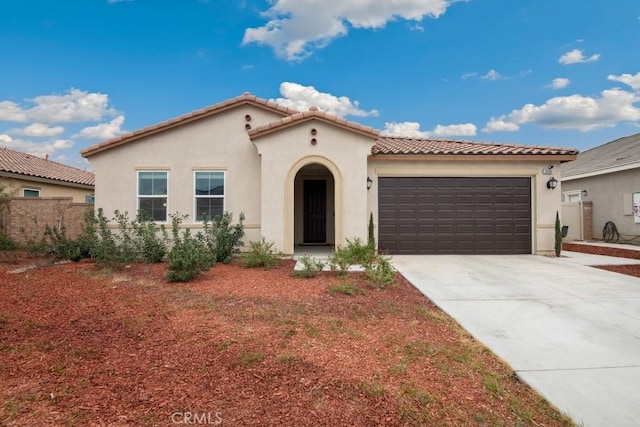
(558, 240)
(261, 254)
(347, 288)
(139, 240)
(356, 252)
(189, 256)
(310, 267)
(61, 247)
(223, 237)
(380, 273)
(6, 243)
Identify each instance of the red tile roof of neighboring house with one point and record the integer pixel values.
(33, 166)
(313, 113)
(399, 145)
(245, 98)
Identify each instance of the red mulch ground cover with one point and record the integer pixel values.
(83, 346)
(630, 270)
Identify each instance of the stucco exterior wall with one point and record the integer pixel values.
(284, 153)
(612, 197)
(219, 142)
(47, 189)
(544, 202)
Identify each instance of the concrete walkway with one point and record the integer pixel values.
(570, 331)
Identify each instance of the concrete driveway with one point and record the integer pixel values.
(570, 331)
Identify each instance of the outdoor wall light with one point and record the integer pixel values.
(584, 193)
(552, 183)
(369, 183)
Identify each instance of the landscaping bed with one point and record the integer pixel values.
(81, 345)
(621, 252)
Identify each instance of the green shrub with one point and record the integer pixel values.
(6, 243)
(261, 254)
(222, 237)
(61, 247)
(139, 240)
(371, 239)
(355, 252)
(347, 288)
(189, 256)
(150, 239)
(310, 267)
(558, 240)
(380, 273)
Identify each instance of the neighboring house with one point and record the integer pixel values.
(26, 175)
(609, 177)
(307, 178)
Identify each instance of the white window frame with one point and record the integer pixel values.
(196, 197)
(158, 196)
(570, 194)
(37, 190)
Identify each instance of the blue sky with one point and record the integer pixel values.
(540, 72)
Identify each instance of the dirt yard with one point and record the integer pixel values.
(82, 346)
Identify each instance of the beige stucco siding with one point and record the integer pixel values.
(219, 142)
(612, 195)
(16, 186)
(545, 202)
(284, 153)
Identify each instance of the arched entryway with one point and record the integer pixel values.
(314, 199)
(314, 205)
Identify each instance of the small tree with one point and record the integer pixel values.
(371, 241)
(558, 245)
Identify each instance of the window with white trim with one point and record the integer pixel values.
(209, 194)
(152, 194)
(30, 192)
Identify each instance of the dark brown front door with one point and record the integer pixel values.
(315, 211)
(477, 215)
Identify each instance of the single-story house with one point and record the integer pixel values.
(609, 177)
(26, 175)
(311, 178)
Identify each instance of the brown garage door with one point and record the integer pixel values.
(455, 215)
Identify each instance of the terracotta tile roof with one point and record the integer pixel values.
(26, 164)
(400, 145)
(622, 153)
(313, 113)
(245, 98)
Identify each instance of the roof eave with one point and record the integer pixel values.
(562, 158)
(35, 178)
(269, 129)
(181, 120)
(605, 171)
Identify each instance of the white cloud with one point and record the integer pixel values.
(464, 129)
(500, 125)
(466, 76)
(573, 112)
(301, 98)
(631, 80)
(74, 106)
(412, 130)
(36, 148)
(576, 56)
(492, 75)
(11, 112)
(39, 130)
(559, 83)
(296, 28)
(102, 131)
